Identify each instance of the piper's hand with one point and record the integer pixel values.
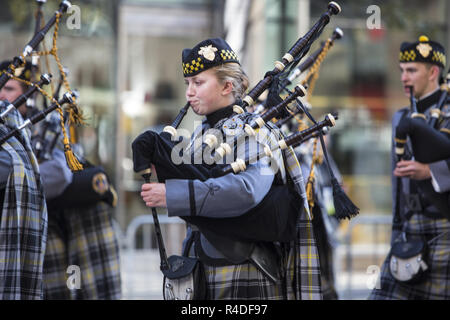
(154, 194)
(412, 169)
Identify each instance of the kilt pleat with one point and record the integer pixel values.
(241, 282)
(23, 224)
(91, 245)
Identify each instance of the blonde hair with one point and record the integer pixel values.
(233, 72)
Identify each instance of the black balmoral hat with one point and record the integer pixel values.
(23, 72)
(207, 54)
(423, 50)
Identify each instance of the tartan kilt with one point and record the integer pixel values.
(300, 269)
(23, 223)
(55, 263)
(84, 238)
(303, 277)
(302, 263)
(436, 282)
(241, 282)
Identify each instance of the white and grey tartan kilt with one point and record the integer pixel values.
(241, 282)
(85, 239)
(436, 284)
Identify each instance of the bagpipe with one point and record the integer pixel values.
(34, 42)
(317, 181)
(45, 79)
(292, 57)
(428, 145)
(90, 183)
(68, 98)
(311, 64)
(39, 16)
(344, 207)
(151, 148)
(156, 148)
(444, 100)
(291, 141)
(313, 61)
(145, 147)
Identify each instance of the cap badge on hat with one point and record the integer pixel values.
(424, 49)
(18, 71)
(208, 52)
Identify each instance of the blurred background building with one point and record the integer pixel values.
(124, 59)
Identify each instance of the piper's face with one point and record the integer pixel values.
(11, 91)
(418, 75)
(206, 94)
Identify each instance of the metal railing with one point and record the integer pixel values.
(147, 219)
(143, 279)
(375, 249)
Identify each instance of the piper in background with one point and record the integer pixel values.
(23, 224)
(80, 227)
(418, 266)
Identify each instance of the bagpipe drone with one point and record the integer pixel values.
(19, 62)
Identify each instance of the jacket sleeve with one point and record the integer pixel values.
(394, 180)
(440, 170)
(228, 196)
(440, 175)
(55, 175)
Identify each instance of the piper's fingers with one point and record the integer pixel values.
(146, 187)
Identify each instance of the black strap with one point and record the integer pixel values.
(398, 219)
(413, 200)
(200, 253)
(192, 198)
(194, 235)
(2, 200)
